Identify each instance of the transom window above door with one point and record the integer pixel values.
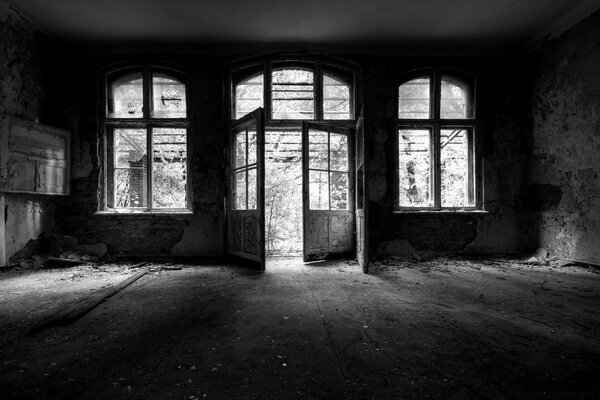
(294, 90)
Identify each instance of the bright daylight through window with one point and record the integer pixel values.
(146, 140)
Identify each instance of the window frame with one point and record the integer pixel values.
(320, 65)
(147, 122)
(435, 124)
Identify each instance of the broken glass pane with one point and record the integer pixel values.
(168, 99)
(414, 168)
(319, 190)
(454, 99)
(338, 152)
(169, 168)
(413, 99)
(293, 94)
(130, 168)
(339, 190)
(240, 149)
(239, 191)
(454, 160)
(336, 98)
(249, 95)
(252, 189)
(317, 150)
(125, 97)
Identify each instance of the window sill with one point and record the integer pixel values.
(444, 212)
(173, 212)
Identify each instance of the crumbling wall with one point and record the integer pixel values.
(21, 94)
(502, 113)
(564, 168)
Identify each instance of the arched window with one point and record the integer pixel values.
(294, 90)
(437, 161)
(146, 129)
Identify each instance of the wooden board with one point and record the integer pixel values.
(34, 158)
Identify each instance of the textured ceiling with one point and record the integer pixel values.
(421, 25)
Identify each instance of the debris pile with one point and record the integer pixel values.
(52, 248)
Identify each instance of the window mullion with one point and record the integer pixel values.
(437, 181)
(329, 167)
(149, 163)
(267, 86)
(318, 92)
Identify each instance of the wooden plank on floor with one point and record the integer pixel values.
(72, 313)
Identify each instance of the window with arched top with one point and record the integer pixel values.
(146, 139)
(437, 162)
(294, 90)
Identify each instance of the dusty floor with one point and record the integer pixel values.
(448, 329)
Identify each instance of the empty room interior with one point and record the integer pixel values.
(346, 199)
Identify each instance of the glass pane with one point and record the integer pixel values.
(338, 148)
(169, 168)
(455, 99)
(252, 147)
(339, 190)
(252, 186)
(168, 99)
(414, 168)
(125, 97)
(317, 150)
(413, 99)
(454, 160)
(130, 168)
(239, 190)
(318, 190)
(336, 98)
(249, 95)
(240, 149)
(293, 94)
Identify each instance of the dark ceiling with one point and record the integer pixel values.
(362, 26)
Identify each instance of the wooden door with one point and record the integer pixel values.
(328, 198)
(362, 197)
(246, 199)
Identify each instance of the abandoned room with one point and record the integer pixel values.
(346, 199)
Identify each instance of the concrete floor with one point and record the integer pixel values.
(448, 329)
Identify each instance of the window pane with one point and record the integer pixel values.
(413, 99)
(454, 159)
(252, 186)
(414, 168)
(252, 147)
(168, 100)
(240, 149)
(293, 94)
(338, 152)
(125, 97)
(249, 95)
(336, 98)
(318, 190)
(317, 150)
(239, 190)
(455, 99)
(130, 168)
(339, 190)
(169, 168)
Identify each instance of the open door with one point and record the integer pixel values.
(362, 197)
(246, 194)
(328, 198)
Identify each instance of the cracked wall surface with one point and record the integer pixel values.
(22, 92)
(564, 167)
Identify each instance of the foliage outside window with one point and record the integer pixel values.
(146, 147)
(435, 142)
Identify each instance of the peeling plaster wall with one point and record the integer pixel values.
(564, 169)
(502, 111)
(24, 217)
